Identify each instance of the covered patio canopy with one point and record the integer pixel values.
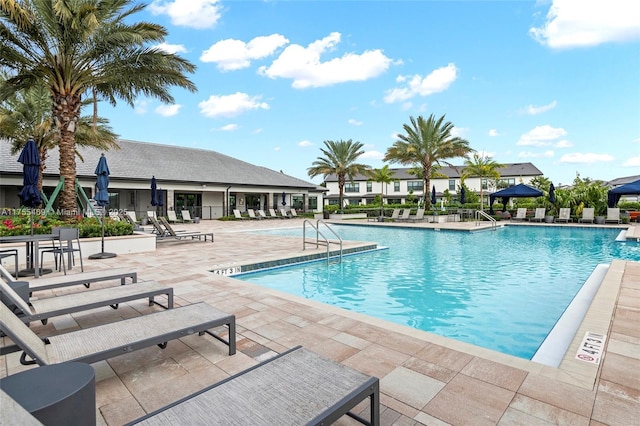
(520, 190)
(628, 189)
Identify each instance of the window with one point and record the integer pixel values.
(352, 187)
(415, 185)
(484, 184)
(452, 184)
(334, 202)
(506, 182)
(354, 202)
(313, 203)
(396, 186)
(369, 186)
(394, 201)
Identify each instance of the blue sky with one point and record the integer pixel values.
(555, 83)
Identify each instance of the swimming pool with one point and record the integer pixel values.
(501, 290)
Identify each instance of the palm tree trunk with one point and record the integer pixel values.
(66, 112)
(341, 182)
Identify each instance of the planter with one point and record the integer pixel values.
(599, 220)
(548, 219)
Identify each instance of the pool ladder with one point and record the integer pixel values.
(480, 214)
(320, 238)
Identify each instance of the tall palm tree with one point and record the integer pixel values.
(339, 159)
(425, 144)
(84, 48)
(27, 114)
(384, 177)
(484, 167)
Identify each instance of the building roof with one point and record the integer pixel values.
(509, 170)
(623, 181)
(141, 160)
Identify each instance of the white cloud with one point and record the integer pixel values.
(256, 131)
(493, 133)
(276, 149)
(305, 143)
(355, 122)
(229, 127)
(585, 158)
(541, 136)
(459, 132)
(535, 110)
(438, 80)
(372, 155)
(171, 48)
(571, 23)
(140, 106)
(230, 105)
(233, 54)
(199, 14)
(168, 110)
(529, 154)
(632, 162)
(406, 106)
(563, 144)
(304, 66)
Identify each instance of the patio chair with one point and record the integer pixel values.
(613, 215)
(521, 214)
(10, 253)
(185, 234)
(284, 214)
(68, 244)
(296, 387)
(564, 215)
(404, 216)
(151, 213)
(293, 213)
(82, 278)
(539, 215)
(157, 228)
(171, 216)
(132, 215)
(263, 215)
(395, 214)
(106, 341)
(274, 215)
(419, 217)
(587, 214)
(43, 309)
(126, 217)
(238, 215)
(252, 214)
(186, 216)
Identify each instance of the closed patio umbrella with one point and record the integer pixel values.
(433, 195)
(284, 199)
(463, 195)
(552, 193)
(102, 199)
(154, 185)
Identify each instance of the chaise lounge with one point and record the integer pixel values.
(294, 388)
(105, 341)
(43, 309)
(184, 234)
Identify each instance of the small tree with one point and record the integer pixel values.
(384, 177)
(483, 167)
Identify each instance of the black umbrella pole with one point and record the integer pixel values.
(102, 254)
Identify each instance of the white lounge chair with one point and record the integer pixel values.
(273, 214)
(106, 341)
(613, 215)
(238, 215)
(186, 216)
(172, 217)
(564, 215)
(405, 215)
(539, 215)
(151, 213)
(395, 214)
(284, 214)
(521, 214)
(293, 213)
(419, 217)
(587, 214)
(252, 214)
(263, 215)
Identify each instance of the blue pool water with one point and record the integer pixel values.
(501, 290)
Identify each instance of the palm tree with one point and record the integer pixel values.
(340, 160)
(484, 167)
(384, 177)
(84, 48)
(27, 114)
(427, 143)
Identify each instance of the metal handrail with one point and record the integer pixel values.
(319, 234)
(480, 213)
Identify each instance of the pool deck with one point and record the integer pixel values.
(425, 378)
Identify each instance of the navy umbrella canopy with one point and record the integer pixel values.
(102, 182)
(159, 199)
(614, 195)
(463, 195)
(433, 195)
(154, 185)
(30, 159)
(284, 199)
(552, 193)
(520, 190)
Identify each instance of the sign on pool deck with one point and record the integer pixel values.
(590, 350)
